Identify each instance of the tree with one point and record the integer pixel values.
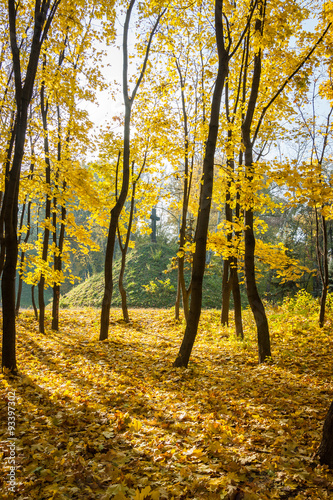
(117, 208)
(42, 15)
(224, 48)
(250, 128)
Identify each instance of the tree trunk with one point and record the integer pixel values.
(9, 152)
(199, 258)
(115, 213)
(322, 258)
(124, 248)
(116, 210)
(185, 292)
(33, 302)
(57, 267)
(177, 303)
(59, 245)
(188, 173)
(255, 302)
(11, 243)
(41, 284)
(237, 300)
(325, 451)
(226, 290)
(122, 290)
(23, 94)
(19, 290)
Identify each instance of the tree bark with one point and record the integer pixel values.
(324, 274)
(57, 267)
(23, 94)
(226, 290)
(19, 291)
(9, 152)
(325, 451)
(177, 303)
(188, 172)
(33, 302)
(59, 245)
(41, 284)
(237, 300)
(199, 257)
(124, 249)
(116, 210)
(227, 277)
(255, 302)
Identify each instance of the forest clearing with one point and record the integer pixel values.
(115, 420)
(174, 158)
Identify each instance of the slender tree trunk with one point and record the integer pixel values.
(58, 267)
(20, 283)
(9, 153)
(226, 277)
(226, 290)
(11, 244)
(116, 210)
(255, 302)
(188, 172)
(237, 300)
(23, 93)
(122, 289)
(124, 248)
(115, 213)
(322, 258)
(235, 282)
(177, 304)
(199, 258)
(41, 285)
(33, 302)
(59, 245)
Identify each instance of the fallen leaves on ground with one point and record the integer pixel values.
(114, 419)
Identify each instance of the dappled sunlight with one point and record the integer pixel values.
(114, 419)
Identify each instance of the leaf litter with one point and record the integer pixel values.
(114, 419)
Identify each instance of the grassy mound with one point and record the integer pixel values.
(149, 281)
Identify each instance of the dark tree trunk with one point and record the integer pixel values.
(325, 451)
(57, 267)
(124, 248)
(33, 302)
(109, 253)
(23, 96)
(227, 277)
(57, 259)
(59, 245)
(188, 172)
(116, 210)
(177, 304)
(6, 169)
(255, 302)
(322, 258)
(19, 291)
(199, 257)
(237, 300)
(235, 282)
(226, 290)
(41, 284)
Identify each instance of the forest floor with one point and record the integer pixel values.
(114, 419)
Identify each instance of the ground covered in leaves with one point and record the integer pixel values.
(115, 420)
